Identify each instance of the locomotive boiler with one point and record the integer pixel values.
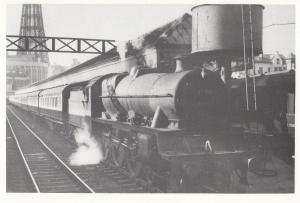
(175, 96)
(169, 128)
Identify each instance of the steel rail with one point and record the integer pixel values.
(78, 179)
(36, 187)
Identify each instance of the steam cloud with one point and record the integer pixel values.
(121, 48)
(88, 151)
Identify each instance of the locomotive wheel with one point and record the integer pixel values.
(235, 183)
(118, 154)
(134, 165)
(106, 142)
(219, 180)
(69, 131)
(148, 175)
(51, 125)
(222, 181)
(178, 181)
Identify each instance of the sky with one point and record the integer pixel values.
(125, 22)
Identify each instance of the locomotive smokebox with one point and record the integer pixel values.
(219, 29)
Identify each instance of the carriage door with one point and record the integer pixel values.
(77, 106)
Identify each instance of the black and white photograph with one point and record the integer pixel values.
(190, 98)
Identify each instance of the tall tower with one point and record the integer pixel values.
(32, 25)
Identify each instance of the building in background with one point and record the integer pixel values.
(279, 62)
(159, 47)
(265, 64)
(23, 70)
(291, 61)
(75, 62)
(55, 69)
(26, 68)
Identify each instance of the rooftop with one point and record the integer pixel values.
(175, 32)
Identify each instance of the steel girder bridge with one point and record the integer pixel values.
(58, 44)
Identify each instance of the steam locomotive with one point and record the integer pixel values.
(169, 128)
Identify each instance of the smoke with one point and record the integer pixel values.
(88, 151)
(122, 49)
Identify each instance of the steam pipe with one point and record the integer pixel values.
(252, 57)
(245, 65)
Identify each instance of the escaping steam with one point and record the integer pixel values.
(88, 151)
(122, 49)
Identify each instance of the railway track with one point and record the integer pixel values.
(47, 171)
(17, 179)
(50, 172)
